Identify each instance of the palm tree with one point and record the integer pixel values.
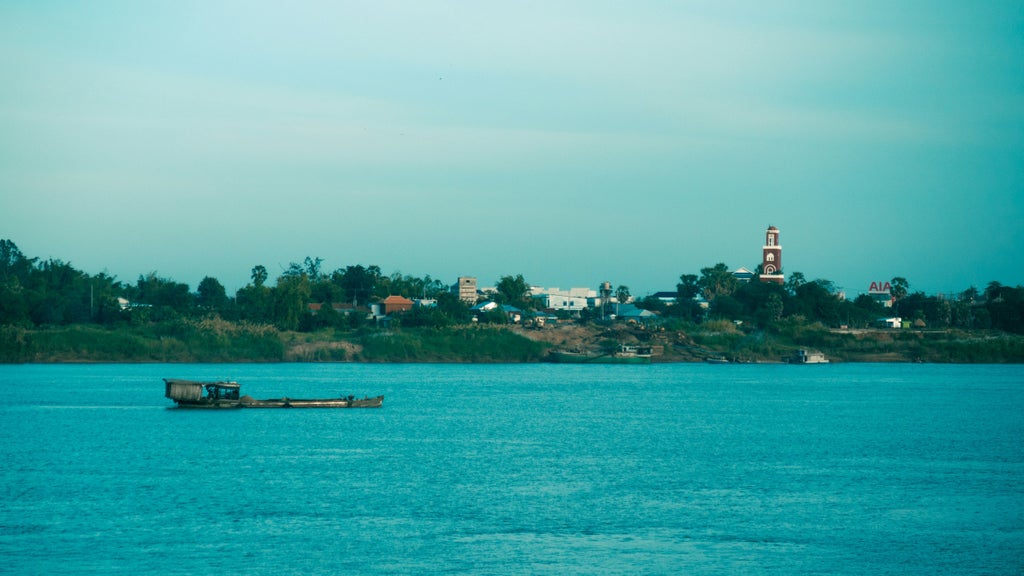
(898, 289)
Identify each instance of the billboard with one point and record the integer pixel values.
(880, 288)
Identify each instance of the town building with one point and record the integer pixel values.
(573, 299)
(771, 261)
(465, 289)
(393, 304)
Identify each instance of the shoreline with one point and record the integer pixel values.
(495, 345)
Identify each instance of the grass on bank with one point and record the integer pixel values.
(215, 340)
(460, 344)
(210, 340)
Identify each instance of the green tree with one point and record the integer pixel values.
(13, 304)
(816, 300)
(688, 287)
(686, 306)
(162, 293)
(653, 303)
(103, 293)
(290, 300)
(58, 294)
(455, 309)
(513, 290)
(622, 294)
(869, 304)
(14, 264)
(411, 286)
(495, 316)
(255, 302)
(14, 272)
(773, 309)
(259, 275)
(759, 301)
(211, 294)
(898, 288)
(993, 291)
(795, 281)
(360, 283)
(726, 307)
(1006, 308)
(717, 281)
(312, 267)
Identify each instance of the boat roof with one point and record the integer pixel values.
(232, 385)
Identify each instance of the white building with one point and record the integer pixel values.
(573, 299)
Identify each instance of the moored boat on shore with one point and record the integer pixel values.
(624, 355)
(805, 357)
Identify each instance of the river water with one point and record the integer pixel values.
(517, 469)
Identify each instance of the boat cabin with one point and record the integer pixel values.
(191, 391)
(806, 357)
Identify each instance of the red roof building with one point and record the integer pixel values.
(393, 304)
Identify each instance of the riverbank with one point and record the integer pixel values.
(215, 340)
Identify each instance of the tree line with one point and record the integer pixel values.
(37, 293)
(717, 293)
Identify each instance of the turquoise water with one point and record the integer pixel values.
(534, 469)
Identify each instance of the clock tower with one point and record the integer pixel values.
(771, 262)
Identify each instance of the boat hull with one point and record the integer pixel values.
(375, 402)
(575, 358)
(209, 405)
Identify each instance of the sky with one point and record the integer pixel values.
(570, 142)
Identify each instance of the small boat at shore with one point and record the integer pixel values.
(806, 357)
(624, 355)
(214, 395)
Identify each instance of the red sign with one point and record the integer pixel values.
(880, 287)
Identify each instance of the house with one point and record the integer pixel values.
(314, 308)
(395, 304)
(339, 307)
(515, 315)
(629, 312)
(895, 322)
(542, 318)
(124, 304)
(666, 298)
(484, 307)
(743, 275)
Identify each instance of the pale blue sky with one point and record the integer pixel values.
(571, 142)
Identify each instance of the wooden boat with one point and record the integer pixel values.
(215, 395)
(805, 357)
(624, 355)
